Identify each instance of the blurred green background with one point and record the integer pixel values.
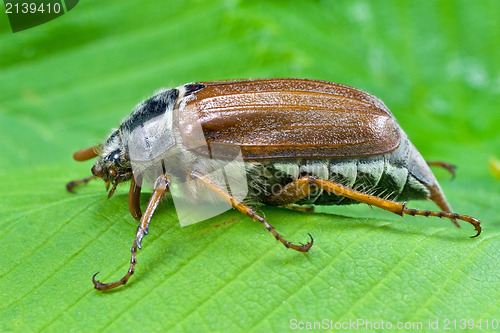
(66, 83)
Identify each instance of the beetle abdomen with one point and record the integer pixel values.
(376, 177)
(389, 176)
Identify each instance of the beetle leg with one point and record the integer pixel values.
(305, 209)
(161, 186)
(134, 196)
(113, 189)
(450, 167)
(71, 185)
(391, 206)
(290, 193)
(245, 209)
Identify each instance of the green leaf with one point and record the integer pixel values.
(66, 83)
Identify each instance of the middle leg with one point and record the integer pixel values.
(245, 209)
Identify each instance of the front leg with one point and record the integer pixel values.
(71, 185)
(134, 198)
(161, 186)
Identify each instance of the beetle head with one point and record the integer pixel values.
(113, 164)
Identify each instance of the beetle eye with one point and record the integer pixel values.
(113, 157)
(112, 172)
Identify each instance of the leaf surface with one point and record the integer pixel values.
(66, 83)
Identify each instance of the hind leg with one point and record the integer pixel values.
(301, 187)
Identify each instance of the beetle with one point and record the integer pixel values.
(302, 143)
